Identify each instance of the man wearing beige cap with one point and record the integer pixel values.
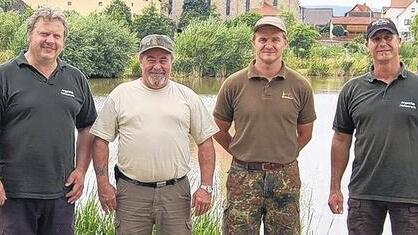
(153, 117)
(273, 112)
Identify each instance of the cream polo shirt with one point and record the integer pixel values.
(153, 128)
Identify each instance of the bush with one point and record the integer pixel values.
(302, 38)
(6, 56)
(133, 68)
(319, 67)
(338, 31)
(9, 22)
(208, 47)
(248, 18)
(152, 22)
(99, 45)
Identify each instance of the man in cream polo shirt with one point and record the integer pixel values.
(153, 117)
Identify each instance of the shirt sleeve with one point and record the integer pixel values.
(106, 124)
(343, 121)
(224, 109)
(202, 125)
(88, 113)
(307, 113)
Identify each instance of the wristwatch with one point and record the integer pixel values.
(207, 188)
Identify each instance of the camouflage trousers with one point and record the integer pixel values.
(268, 195)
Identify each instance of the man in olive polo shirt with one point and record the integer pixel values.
(273, 112)
(42, 101)
(381, 107)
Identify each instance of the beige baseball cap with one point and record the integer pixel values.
(270, 20)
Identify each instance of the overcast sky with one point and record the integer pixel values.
(372, 3)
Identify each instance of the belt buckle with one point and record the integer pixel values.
(266, 166)
(161, 184)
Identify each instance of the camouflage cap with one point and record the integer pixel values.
(156, 41)
(272, 21)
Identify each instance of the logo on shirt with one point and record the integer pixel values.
(408, 104)
(67, 92)
(287, 95)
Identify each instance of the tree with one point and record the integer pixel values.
(120, 11)
(302, 38)
(195, 10)
(9, 22)
(248, 18)
(211, 48)
(99, 45)
(414, 29)
(151, 22)
(338, 31)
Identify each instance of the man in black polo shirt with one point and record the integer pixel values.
(42, 101)
(381, 107)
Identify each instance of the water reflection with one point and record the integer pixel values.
(314, 159)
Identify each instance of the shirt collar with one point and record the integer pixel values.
(21, 60)
(403, 74)
(252, 73)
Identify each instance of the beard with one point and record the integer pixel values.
(157, 80)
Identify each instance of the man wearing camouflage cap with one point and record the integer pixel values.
(380, 107)
(273, 112)
(153, 117)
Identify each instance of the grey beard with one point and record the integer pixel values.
(158, 80)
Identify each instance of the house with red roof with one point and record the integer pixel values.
(402, 13)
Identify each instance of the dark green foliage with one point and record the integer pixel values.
(195, 10)
(98, 45)
(152, 22)
(118, 10)
(248, 18)
(210, 48)
(302, 38)
(9, 22)
(338, 31)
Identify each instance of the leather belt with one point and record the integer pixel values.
(158, 184)
(259, 165)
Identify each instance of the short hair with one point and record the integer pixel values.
(48, 13)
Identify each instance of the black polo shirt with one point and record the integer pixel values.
(37, 127)
(385, 120)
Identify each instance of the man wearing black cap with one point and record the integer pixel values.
(153, 117)
(272, 109)
(381, 107)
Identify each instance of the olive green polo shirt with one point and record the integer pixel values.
(385, 120)
(265, 113)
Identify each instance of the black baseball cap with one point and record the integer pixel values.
(381, 24)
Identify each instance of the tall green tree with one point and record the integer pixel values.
(150, 21)
(302, 38)
(99, 45)
(248, 18)
(195, 10)
(118, 10)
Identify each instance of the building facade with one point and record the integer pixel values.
(85, 7)
(229, 9)
(402, 13)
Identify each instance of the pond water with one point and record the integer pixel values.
(314, 159)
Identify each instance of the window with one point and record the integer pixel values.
(274, 2)
(69, 3)
(412, 10)
(407, 22)
(100, 4)
(228, 7)
(132, 4)
(247, 5)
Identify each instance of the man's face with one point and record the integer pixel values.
(46, 41)
(269, 43)
(156, 67)
(384, 46)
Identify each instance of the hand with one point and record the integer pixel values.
(76, 179)
(201, 201)
(335, 202)
(2, 195)
(107, 196)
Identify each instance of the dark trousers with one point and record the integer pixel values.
(21, 216)
(368, 217)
